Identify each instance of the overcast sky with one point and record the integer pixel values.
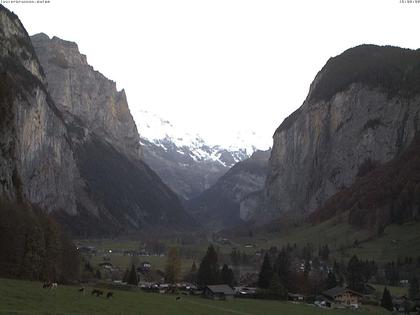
(225, 66)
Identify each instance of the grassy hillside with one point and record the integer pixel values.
(345, 240)
(123, 262)
(21, 297)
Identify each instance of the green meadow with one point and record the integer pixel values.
(24, 297)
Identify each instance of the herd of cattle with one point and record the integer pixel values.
(54, 285)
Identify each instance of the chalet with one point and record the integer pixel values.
(218, 292)
(343, 297)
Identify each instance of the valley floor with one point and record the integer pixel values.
(24, 297)
(397, 241)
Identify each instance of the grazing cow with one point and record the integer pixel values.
(82, 290)
(178, 298)
(50, 285)
(109, 295)
(97, 292)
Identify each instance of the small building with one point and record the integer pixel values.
(218, 292)
(343, 296)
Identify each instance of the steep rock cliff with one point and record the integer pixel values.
(36, 161)
(362, 110)
(80, 159)
(85, 96)
(115, 189)
(390, 193)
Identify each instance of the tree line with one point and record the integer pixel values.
(33, 247)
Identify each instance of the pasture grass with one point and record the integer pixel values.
(24, 297)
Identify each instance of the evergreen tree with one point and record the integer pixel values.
(386, 301)
(192, 275)
(266, 273)
(70, 259)
(413, 290)
(282, 266)
(88, 267)
(52, 261)
(34, 252)
(33, 247)
(307, 252)
(208, 272)
(354, 274)
(235, 257)
(324, 252)
(276, 290)
(193, 267)
(132, 276)
(272, 253)
(307, 269)
(173, 266)
(126, 275)
(331, 281)
(227, 276)
(392, 273)
(245, 259)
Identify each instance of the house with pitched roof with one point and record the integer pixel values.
(218, 292)
(342, 297)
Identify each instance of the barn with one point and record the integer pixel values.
(218, 292)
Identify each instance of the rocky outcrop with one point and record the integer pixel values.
(220, 206)
(114, 186)
(362, 110)
(251, 206)
(85, 96)
(36, 161)
(390, 193)
(69, 144)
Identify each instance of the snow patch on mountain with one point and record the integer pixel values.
(164, 134)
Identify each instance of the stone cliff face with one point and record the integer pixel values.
(113, 186)
(220, 206)
(69, 144)
(85, 96)
(362, 111)
(388, 194)
(36, 162)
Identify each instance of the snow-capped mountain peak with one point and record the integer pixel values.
(185, 160)
(164, 134)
